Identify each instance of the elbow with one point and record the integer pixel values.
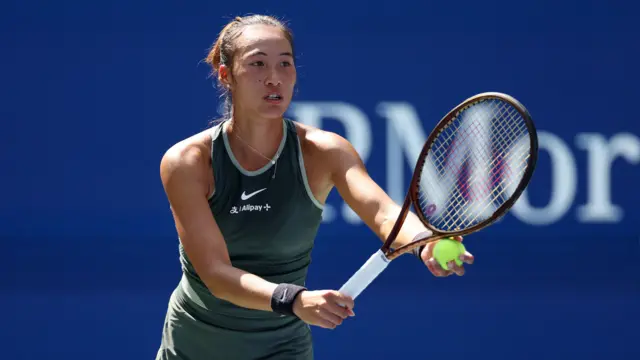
(216, 277)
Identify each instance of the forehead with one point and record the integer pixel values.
(263, 38)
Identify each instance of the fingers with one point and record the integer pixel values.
(436, 269)
(340, 309)
(336, 308)
(342, 299)
(455, 268)
(323, 323)
(467, 258)
(325, 308)
(330, 317)
(452, 267)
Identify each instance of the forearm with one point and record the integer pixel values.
(410, 228)
(239, 287)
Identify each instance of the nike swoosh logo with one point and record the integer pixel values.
(249, 196)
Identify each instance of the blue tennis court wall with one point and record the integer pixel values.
(93, 93)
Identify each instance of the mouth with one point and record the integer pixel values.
(273, 98)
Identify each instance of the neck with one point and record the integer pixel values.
(255, 139)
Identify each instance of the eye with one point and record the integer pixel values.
(285, 63)
(257, 63)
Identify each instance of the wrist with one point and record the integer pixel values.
(284, 297)
(418, 251)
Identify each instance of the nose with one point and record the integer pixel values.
(273, 78)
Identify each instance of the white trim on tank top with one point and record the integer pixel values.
(262, 169)
(303, 171)
(302, 168)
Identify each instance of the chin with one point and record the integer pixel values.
(272, 115)
(273, 111)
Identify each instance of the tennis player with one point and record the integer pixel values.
(247, 197)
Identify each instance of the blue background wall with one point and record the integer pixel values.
(93, 93)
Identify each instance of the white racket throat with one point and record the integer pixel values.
(365, 275)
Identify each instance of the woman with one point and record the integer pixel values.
(247, 198)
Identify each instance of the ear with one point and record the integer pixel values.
(224, 76)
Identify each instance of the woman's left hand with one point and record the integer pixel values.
(436, 269)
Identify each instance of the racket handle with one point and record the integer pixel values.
(365, 275)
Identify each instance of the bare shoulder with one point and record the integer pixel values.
(328, 157)
(324, 143)
(187, 160)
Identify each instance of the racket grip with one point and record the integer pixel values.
(365, 275)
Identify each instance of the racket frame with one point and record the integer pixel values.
(412, 196)
(379, 261)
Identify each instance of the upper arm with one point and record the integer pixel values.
(184, 177)
(350, 177)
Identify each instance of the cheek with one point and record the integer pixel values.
(248, 82)
(254, 78)
(290, 76)
(246, 74)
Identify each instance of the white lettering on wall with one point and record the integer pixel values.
(563, 184)
(405, 136)
(601, 155)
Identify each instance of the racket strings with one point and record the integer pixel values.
(459, 201)
(440, 160)
(459, 170)
(504, 188)
(502, 166)
(469, 188)
(495, 194)
(477, 158)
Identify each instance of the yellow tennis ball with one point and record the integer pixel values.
(447, 250)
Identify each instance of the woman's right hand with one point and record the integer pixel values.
(324, 308)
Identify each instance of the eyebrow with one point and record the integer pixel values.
(286, 53)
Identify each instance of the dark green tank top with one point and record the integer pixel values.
(269, 219)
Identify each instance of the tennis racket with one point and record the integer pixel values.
(473, 167)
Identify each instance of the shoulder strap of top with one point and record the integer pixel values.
(216, 151)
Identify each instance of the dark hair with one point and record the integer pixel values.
(223, 50)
